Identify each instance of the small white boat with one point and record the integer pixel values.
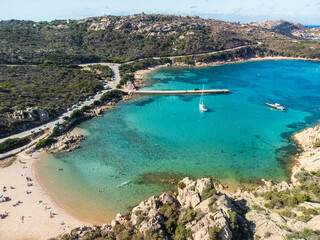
(276, 106)
(124, 183)
(202, 107)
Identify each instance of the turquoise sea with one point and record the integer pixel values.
(153, 140)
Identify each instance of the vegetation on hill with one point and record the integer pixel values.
(127, 70)
(114, 94)
(57, 46)
(102, 71)
(49, 87)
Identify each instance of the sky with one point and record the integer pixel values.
(303, 11)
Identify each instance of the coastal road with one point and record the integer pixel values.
(18, 150)
(116, 75)
(50, 124)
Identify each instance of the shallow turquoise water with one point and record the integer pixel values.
(239, 140)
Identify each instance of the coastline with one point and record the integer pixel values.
(308, 160)
(35, 206)
(141, 74)
(12, 228)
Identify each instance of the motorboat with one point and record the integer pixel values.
(276, 106)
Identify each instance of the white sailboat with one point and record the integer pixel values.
(201, 105)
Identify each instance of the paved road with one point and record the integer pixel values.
(116, 75)
(115, 69)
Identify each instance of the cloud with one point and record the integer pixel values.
(193, 7)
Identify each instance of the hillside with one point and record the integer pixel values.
(124, 38)
(293, 29)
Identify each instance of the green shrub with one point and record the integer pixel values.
(281, 198)
(287, 213)
(151, 235)
(96, 103)
(302, 176)
(171, 224)
(181, 185)
(167, 210)
(181, 232)
(301, 198)
(118, 228)
(214, 233)
(304, 218)
(267, 195)
(124, 235)
(207, 192)
(304, 234)
(113, 94)
(13, 143)
(189, 215)
(49, 140)
(171, 215)
(268, 234)
(317, 144)
(44, 142)
(85, 109)
(76, 114)
(233, 220)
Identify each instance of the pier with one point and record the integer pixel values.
(179, 92)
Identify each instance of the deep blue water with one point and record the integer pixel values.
(239, 140)
(313, 26)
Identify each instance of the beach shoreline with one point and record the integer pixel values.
(12, 228)
(141, 74)
(30, 208)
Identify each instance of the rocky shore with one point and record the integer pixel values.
(200, 210)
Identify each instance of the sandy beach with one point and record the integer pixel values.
(30, 219)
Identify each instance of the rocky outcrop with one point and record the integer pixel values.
(289, 28)
(32, 114)
(22, 120)
(199, 211)
(193, 215)
(67, 142)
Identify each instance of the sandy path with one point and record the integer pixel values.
(37, 222)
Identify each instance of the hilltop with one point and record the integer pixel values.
(292, 29)
(124, 38)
